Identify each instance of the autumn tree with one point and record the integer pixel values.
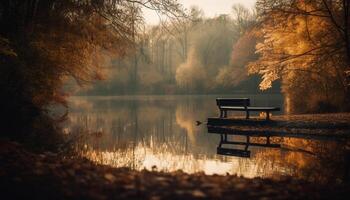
(43, 43)
(306, 44)
(242, 51)
(210, 43)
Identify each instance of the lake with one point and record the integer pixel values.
(160, 133)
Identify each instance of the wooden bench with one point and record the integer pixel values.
(241, 104)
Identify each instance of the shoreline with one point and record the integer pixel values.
(24, 174)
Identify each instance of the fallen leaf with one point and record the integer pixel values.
(110, 177)
(198, 194)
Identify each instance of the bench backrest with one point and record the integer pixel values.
(232, 102)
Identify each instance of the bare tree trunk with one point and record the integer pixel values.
(346, 30)
(346, 7)
(134, 79)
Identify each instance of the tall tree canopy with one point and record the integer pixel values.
(306, 44)
(45, 42)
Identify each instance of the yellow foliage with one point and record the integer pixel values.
(190, 73)
(302, 50)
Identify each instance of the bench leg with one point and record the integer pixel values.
(267, 115)
(247, 114)
(221, 140)
(225, 113)
(248, 142)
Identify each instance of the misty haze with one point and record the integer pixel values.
(175, 99)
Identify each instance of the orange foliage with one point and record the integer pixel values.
(306, 51)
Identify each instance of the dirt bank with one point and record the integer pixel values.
(50, 176)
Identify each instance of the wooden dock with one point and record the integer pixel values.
(325, 126)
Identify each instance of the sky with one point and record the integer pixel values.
(211, 8)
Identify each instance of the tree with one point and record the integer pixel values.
(243, 18)
(242, 51)
(45, 42)
(307, 46)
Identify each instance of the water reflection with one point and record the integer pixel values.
(312, 159)
(159, 132)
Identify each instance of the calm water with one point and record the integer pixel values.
(160, 133)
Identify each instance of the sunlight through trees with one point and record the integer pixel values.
(306, 44)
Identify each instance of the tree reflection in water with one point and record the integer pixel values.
(310, 159)
(160, 133)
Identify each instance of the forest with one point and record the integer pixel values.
(192, 55)
(48, 49)
(287, 43)
(99, 104)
